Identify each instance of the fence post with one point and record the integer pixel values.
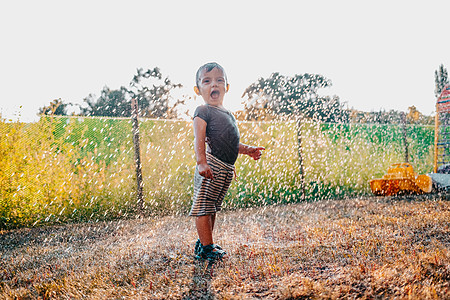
(137, 155)
(436, 139)
(300, 157)
(405, 136)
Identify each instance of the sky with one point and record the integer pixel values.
(379, 55)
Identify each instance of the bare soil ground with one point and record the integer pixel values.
(356, 248)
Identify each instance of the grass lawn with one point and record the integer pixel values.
(353, 248)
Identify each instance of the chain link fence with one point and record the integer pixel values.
(64, 169)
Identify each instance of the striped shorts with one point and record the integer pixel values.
(209, 194)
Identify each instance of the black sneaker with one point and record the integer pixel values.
(198, 247)
(211, 252)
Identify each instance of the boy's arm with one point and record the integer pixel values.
(200, 148)
(253, 152)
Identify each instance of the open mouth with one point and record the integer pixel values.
(215, 94)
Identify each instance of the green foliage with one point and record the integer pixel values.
(297, 95)
(111, 103)
(57, 107)
(154, 93)
(82, 169)
(440, 80)
(363, 151)
(147, 86)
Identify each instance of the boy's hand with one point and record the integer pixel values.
(205, 171)
(255, 152)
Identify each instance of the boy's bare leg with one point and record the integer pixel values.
(204, 226)
(213, 221)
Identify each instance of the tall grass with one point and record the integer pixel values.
(50, 175)
(71, 169)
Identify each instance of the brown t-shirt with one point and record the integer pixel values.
(222, 133)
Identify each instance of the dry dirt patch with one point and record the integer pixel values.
(374, 248)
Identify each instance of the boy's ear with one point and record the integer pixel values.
(228, 86)
(196, 90)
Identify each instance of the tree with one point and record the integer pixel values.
(440, 79)
(152, 91)
(416, 117)
(292, 96)
(330, 109)
(56, 107)
(111, 103)
(413, 115)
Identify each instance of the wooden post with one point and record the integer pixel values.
(300, 157)
(405, 134)
(137, 155)
(436, 139)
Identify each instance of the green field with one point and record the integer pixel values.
(82, 169)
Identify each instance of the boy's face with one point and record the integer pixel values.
(212, 86)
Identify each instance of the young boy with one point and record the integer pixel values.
(216, 127)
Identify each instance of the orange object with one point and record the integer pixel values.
(401, 177)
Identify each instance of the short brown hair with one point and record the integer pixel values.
(208, 67)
